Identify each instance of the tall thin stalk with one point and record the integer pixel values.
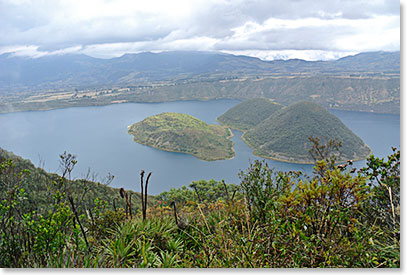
(123, 194)
(142, 193)
(196, 191)
(79, 222)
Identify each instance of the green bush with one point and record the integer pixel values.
(200, 191)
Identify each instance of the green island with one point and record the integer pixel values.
(183, 133)
(283, 135)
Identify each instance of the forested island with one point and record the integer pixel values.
(274, 131)
(282, 132)
(183, 133)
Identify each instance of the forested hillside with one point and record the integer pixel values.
(284, 135)
(249, 113)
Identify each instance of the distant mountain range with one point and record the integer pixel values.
(81, 71)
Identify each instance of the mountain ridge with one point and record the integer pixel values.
(77, 70)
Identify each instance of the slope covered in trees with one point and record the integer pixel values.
(249, 113)
(284, 135)
(183, 133)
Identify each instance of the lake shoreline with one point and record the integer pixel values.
(11, 109)
(99, 139)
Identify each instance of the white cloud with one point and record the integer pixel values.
(110, 28)
(34, 52)
(30, 50)
(109, 50)
(381, 32)
(368, 34)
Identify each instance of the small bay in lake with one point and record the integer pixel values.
(98, 137)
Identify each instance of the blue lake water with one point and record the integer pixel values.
(98, 137)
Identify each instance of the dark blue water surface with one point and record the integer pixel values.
(98, 137)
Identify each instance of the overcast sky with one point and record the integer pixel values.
(269, 29)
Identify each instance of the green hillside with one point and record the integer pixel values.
(249, 113)
(183, 133)
(41, 185)
(284, 135)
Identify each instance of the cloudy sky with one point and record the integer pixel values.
(268, 29)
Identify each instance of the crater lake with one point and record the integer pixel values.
(98, 137)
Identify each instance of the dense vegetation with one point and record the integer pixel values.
(184, 134)
(249, 113)
(284, 135)
(41, 213)
(337, 217)
(42, 185)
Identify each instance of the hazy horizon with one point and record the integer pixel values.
(211, 52)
